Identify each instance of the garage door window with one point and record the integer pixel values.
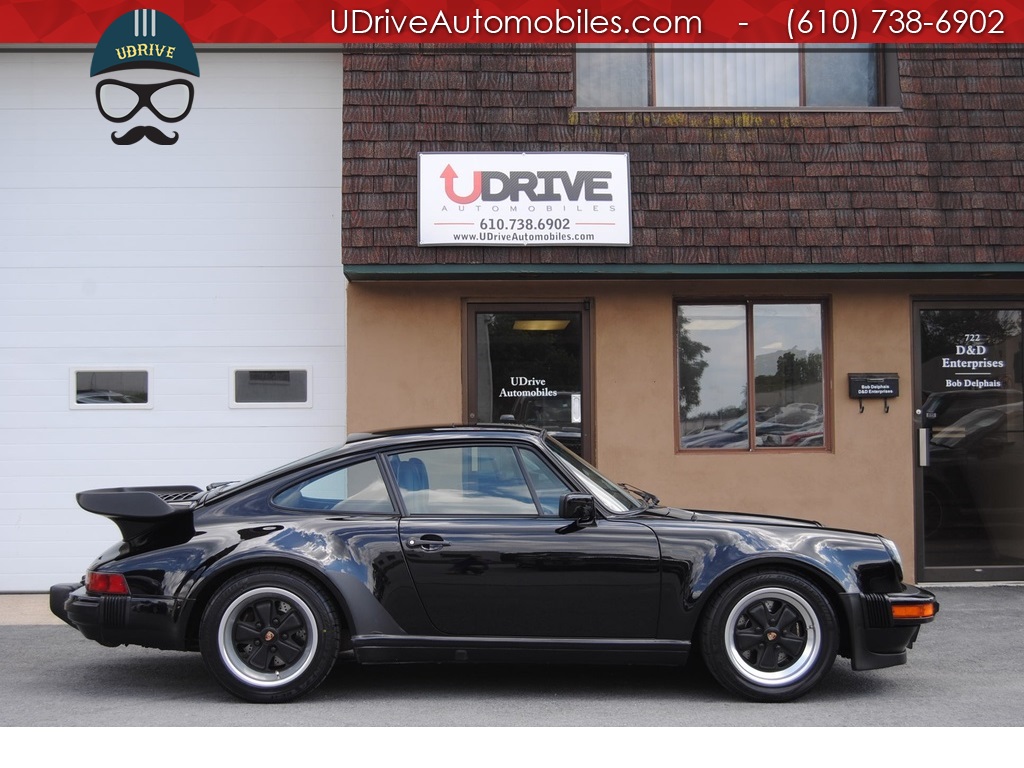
(109, 388)
(271, 387)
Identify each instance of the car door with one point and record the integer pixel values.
(489, 555)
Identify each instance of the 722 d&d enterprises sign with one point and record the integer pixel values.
(513, 199)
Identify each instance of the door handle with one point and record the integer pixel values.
(924, 439)
(429, 543)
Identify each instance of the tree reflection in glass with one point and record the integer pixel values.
(725, 351)
(712, 376)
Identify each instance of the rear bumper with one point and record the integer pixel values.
(59, 594)
(153, 622)
(877, 638)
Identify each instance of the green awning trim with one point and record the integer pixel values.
(356, 272)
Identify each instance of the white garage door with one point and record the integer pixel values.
(168, 314)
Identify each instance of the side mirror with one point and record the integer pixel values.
(578, 507)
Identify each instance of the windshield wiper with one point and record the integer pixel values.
(648, 498)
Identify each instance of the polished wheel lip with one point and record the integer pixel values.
(812, 641)
(237, 665)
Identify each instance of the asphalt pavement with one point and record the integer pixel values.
(965, 670)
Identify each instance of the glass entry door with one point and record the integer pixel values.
(970, 441)
(529, 364)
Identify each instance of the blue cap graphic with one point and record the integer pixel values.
(144, 38)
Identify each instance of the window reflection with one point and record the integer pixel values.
(972, 418)
(271, 386)
(529, 371)
(788, 378)
(728, 76)
(727, 351)
(712, 350)
(111, 388)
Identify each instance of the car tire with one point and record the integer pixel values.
(270, 635)
(769, 636)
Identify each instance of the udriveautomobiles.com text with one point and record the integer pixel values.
(583, 22)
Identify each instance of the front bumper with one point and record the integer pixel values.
(877, 638)
(153, 622)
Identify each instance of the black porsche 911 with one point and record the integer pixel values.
(481, 544)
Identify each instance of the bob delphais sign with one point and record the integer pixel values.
(513, 199)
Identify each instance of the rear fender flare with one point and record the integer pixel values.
(359, 608)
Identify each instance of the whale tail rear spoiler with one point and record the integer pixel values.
(145, 512)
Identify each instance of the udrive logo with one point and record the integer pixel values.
(141, 46)
(533, 186)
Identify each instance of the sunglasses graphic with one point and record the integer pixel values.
(119, 101)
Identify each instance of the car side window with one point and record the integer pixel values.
(546, 483)
(355, 488)
(463, 480)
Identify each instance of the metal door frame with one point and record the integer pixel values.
(947, 573)
(469, 386)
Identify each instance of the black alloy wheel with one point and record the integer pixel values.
(270, 635)
(769, 636)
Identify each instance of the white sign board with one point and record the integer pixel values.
(514, 199)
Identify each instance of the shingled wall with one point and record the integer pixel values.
(939, 182)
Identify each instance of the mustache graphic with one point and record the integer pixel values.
(140, 132)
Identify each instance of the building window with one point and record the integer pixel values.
(109, 388)
(271, 387)
(724, 76)
(744, 363)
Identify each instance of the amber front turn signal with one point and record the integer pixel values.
(914, 611)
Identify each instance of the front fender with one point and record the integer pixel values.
(699, 559)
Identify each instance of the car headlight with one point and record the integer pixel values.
(894, 553)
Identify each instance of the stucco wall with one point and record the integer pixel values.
(410, 370)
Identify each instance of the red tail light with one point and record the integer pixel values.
(105, 583)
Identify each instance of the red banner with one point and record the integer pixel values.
(355, 22)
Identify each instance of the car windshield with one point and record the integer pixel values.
(612, 496)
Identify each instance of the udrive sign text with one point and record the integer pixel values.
(513, 199)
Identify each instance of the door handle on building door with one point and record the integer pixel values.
(924, 439)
